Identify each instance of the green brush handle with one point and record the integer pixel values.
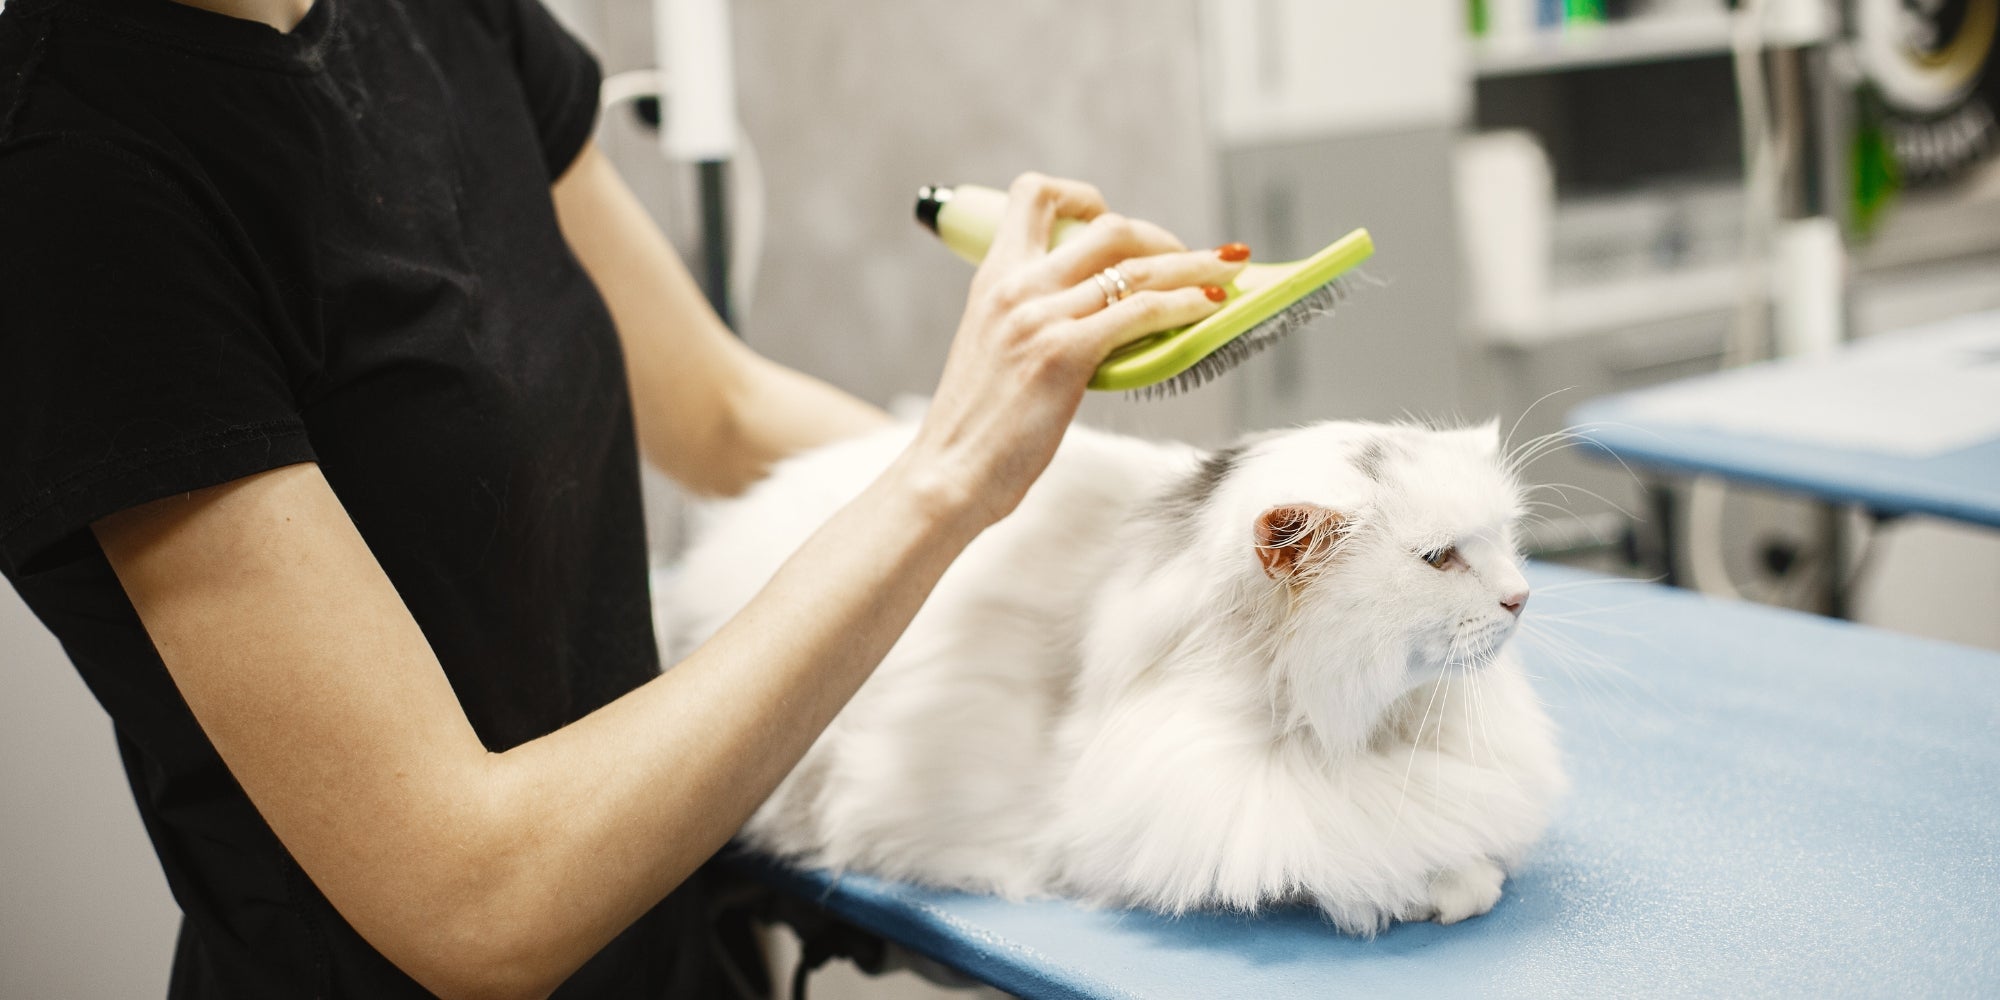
(1259, 293)
(967, 217)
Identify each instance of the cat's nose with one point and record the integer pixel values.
(1515, 602)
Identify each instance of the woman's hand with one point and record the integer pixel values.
(1036, 326)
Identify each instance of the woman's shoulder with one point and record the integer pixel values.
(498, 19)
(56, 141)
(82, 173)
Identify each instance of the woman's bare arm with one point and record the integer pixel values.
(496, 874)
(712, 413)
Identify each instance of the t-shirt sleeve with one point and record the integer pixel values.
(561, 79)
(137, 360)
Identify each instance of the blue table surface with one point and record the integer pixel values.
(1962, 485)
(1765, 804)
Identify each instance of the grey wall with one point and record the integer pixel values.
(1392, 348)
(84, 910)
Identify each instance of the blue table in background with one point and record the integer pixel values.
(1765, 804)
(1962, 483)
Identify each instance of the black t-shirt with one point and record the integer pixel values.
(225, 249)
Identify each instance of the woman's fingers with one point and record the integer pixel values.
(1109, 239)
(1178, 270)
(1034, 203)
(1037, 322)
(1192, 268)
(1144, 312)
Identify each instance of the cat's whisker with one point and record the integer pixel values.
(1561, 590)
(1590, 685)
(1545, 397)
(1537, 517)
(1575, 434)
(1596, 630)
(1544, 446)
(1557, 490)
(1589, 665)
(1550, 641)
(1530, 504)
(1497, 766)
(1559, 438)
(1457, 653)
(1511, 455)
(1550, 511)
(1568, 608)
(1584, 618)
(1571, 611)
(1587, 491)
(1479, 692)
(1416, 741)
(1534, 630)
(1540, 524)
(1470, 689)
(1590, 672)
(1584, 431)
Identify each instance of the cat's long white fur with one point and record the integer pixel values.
(1109, 698)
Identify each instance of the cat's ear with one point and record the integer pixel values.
(1295, 537)
(1488, 436)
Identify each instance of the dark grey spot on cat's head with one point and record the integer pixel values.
(1185, 502)
(1370, 458)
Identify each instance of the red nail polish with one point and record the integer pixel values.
(1214, 294)
(1233, 252)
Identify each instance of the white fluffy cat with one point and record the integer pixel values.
(1273, 673)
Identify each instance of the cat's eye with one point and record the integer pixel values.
(1441, 558)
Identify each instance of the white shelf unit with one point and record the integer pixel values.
(1708, 287)
(1642, 39)
(1639, 40)
(1610, 306)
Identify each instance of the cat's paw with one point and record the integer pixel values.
(1465, 892)
(1355, 916)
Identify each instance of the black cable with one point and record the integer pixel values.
(799, 975)
(732, 940)
(715, 237)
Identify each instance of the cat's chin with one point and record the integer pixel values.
(1469, 655)
(1492, 639)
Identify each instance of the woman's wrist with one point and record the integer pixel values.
(938, 496)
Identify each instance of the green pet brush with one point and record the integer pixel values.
(1266, 302)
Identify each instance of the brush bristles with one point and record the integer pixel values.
(1310, 306)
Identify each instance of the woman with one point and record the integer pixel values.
(327, 342)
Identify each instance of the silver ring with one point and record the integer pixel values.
(1105, 285)
(1119, 279)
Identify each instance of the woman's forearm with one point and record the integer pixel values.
(781, 412)
(486, 874)
(599, 820)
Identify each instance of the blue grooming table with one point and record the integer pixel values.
(1962, 484)
(1766, 804)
